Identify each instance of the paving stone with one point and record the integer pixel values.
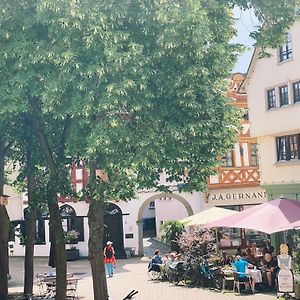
(130, 274)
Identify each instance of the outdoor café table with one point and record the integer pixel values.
(47, 284)
(255, 275)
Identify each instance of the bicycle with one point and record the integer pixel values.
(188, 273)
(210, 276)
(156, 271)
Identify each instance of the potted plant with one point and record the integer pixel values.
(71, 238)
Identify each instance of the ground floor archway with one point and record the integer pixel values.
(146, 203)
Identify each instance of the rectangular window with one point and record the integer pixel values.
(296, 91)
(253, 155)
(271, 96)
(281, 148)
(227, 160)
(285, 51)
(288, 147)
(293, 146)
(283, 95)
(79, 174)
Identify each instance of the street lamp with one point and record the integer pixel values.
(4, 200)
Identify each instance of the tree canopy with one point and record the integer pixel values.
(133, 86)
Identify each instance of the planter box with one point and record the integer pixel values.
(72, 254)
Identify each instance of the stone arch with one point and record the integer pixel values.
(177, 197)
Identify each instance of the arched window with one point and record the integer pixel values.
(71, 222)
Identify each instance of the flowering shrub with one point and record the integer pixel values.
(71, 237)
(198, 242)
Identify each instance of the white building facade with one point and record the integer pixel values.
(125, 221)
(273, 89)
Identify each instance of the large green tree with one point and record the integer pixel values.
(131, 86)
(7, 129)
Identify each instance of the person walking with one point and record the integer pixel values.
(109, 259)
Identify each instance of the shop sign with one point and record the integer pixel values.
(285, 281)
(237, 196)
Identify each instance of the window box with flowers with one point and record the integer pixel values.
(71, 239)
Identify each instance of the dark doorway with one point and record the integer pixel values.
(149, 227)
(113, 229)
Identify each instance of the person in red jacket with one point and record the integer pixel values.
(109, 258)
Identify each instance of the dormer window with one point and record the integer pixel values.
(285, 51)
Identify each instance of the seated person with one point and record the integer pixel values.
(156, 259)
(155, 262)
(269, 269)
(254, 250)
(240, 266)
(225, 259)
(239, 251)
(268, 248)
(250, 258)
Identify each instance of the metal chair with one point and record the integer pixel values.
(227, 277)
(237, 282)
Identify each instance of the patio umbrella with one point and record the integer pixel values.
(207, 216)
(272, 216)
(294, 225)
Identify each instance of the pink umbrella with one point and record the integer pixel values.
(294, 225)
(272, 216)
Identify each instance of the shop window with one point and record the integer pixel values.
(254, 236)
(235, 237)
(288, 147)
(230, 237)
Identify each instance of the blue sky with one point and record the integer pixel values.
(245, 24)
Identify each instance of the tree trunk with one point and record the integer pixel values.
(4, 231)
(30, 231)
(59, 244)
(96, 229)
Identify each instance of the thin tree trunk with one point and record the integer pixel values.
(59, 244)
(29, 253)
(30, 229)
(4, 231)
(55, 219)
(96, 228)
